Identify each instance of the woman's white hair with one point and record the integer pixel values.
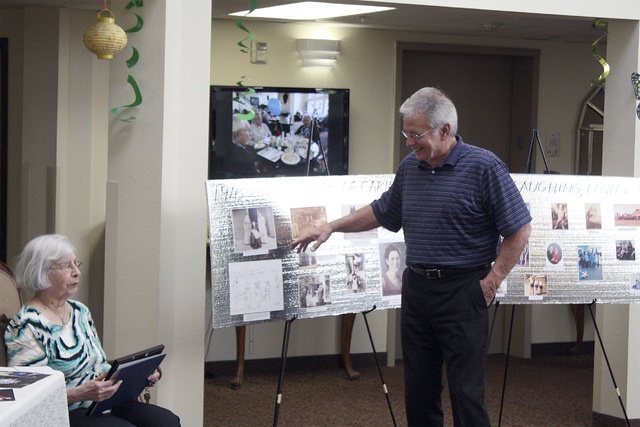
(32, 265)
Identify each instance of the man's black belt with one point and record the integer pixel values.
(444, 272)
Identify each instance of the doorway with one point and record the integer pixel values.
(493, 89)
(4, 86)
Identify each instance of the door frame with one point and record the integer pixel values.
(527, 87)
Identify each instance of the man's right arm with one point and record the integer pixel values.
(360, 220)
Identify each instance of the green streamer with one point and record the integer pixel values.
(137, 101)
(136, 3)
(138, 25)
(245, 49)
(600, 81)
(135, 56)
(251, 114)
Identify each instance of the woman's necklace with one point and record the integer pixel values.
(64, 322)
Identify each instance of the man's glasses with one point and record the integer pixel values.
(414, 135)
(70, 267)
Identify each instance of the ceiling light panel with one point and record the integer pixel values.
(311, 10)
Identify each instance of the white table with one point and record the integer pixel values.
(43, 403)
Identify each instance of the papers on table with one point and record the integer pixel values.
(271, 154)
(19, 379)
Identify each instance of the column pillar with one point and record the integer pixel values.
(155, 240)
(621, 157)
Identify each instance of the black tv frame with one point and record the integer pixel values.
(220, 121)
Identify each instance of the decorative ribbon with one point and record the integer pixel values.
(245, 49)
(139, 23)
(600, 23)
(130, 63)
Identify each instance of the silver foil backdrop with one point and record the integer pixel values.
(581, 250)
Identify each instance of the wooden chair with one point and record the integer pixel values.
(10, 303)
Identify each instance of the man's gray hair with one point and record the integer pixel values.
(238, 124)
(435, 105)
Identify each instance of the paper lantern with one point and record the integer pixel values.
(105, 38)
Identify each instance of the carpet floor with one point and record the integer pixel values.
(542, 391)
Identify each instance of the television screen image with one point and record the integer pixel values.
(293, 132)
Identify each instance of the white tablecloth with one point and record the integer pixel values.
(43, 403)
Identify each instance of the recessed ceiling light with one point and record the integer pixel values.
(311, 10)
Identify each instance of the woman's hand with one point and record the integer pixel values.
(155, 377)
(95, 390)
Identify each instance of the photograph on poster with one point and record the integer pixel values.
(362, 235)
(307, 217)
(314, 290)
(634, 283)
(255, 287)
(554, 256)
(535, 285)
(625, 250)
(307, 259)
(254, 230)
(559, 216)
(502, 289)
(593, 216)
(626, 215)
(355, 274)
(589, 263)
(392, 264)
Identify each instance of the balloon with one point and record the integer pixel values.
(274, 106)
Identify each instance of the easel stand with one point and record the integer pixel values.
(615, 385)
(375, 356)
(506, 365)
(315, 132)
(285, 348)
(535, 137)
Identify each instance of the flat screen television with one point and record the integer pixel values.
(305, 132)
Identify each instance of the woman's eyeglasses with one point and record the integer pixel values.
(70, 267)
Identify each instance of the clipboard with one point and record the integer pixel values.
(133, 369)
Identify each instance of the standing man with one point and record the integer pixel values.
(453, 201)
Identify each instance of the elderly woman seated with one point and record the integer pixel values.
(305, 128)
(53, 330)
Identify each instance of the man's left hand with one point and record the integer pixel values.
(488, 290)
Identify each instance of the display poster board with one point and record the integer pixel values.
(582, 247)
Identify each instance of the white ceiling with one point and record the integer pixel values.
(427, 19)
(439, 20)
